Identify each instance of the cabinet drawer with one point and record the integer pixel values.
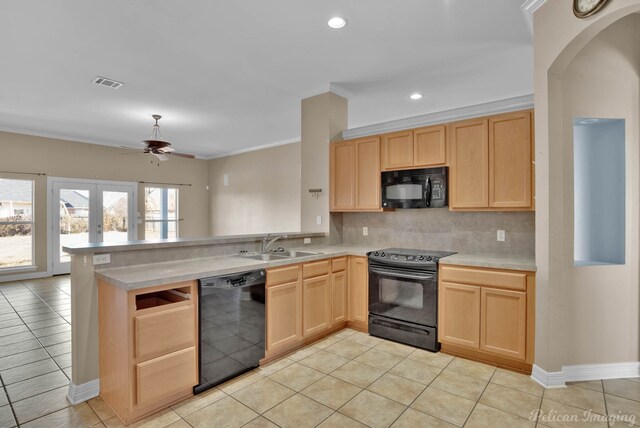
(165, 376)
(165, 331)
(338, 265)
(282, 275)
(493, 278)
(310, 270)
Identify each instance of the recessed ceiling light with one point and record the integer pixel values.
(415, 96)
(337, 22)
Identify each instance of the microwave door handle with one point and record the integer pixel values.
(427, 192)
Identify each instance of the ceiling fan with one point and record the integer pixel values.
(157, 146)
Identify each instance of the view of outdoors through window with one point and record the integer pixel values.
(16, 223)
(160, 213)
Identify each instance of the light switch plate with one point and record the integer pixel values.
(365, 231)
(319, 219)
(501, 236)
(101, 259)
(307, 240)
(225, 178)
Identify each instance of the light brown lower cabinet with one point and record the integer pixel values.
(148, 347)
(359, 293)
(308, 301)
(488, 315)
(316, 297)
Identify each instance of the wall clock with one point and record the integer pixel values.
(585, 8)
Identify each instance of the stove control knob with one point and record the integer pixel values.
(377, 254)
(383, 254)
(429, 258)
(409, 257)
(421, 258)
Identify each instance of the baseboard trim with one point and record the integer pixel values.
(83, 392)
(584, 372)
(23, 276)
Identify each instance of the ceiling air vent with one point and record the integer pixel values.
(103, 81)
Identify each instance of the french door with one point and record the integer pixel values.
(84, 211)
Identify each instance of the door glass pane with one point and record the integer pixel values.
(115, 212)
(74, 219)
(402, 293)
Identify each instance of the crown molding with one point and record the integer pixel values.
(331, 87)
(528, 7)
(253, 149)
(469, 112)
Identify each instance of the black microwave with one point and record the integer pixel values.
(415, 188)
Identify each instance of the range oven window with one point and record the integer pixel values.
(409, 191)
(407, 294)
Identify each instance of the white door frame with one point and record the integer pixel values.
(95, 188)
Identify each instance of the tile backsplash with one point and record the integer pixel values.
(441, 229)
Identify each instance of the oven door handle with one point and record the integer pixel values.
(389, 272)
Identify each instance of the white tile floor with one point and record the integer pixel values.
(349, 379)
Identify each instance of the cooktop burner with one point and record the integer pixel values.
(408, 257)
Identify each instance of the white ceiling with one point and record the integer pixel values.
(229, 75)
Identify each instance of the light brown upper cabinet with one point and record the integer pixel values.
(491, 163)
(355, 175)
(469, 172)
(510, 160)
(418, 148)
(397, 150)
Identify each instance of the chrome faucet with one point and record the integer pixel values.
(266, 243)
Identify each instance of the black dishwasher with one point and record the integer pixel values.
(232, 326)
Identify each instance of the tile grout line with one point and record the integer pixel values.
(9, 403)
(45, 349)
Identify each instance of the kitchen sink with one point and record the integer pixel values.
(280, 255)
(294, 253)
(265, 257)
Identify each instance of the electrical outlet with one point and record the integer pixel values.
(319, 219)
(101, 259)
(501, 235)
(365, 231)
(307, 240)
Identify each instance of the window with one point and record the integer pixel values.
(160, 213)
(16, 223)
(599, 191)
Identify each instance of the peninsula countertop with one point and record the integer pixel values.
(147, 275)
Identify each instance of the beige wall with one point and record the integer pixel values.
(262, 195)
(324, 117)
(583, 315)
(61, 158)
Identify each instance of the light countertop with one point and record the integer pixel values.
(497, 261)
(141, 276)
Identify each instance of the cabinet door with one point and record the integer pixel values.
(342, 166)
(316, 298)
(359, 290)
(284, 315)
(368, 180)
(397, 150)
(469, 164)
(429, 146)
(459, 314)
(510, 160)
(339, 311)
(504, 322)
